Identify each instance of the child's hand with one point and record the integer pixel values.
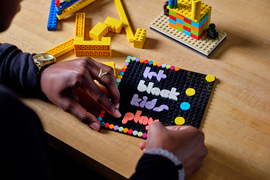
(59, 83)
(185, 142)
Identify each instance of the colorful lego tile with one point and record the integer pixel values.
(157, 93)
(75, 7)
(139, 38)
(62, 48)
(100, 30)
(184, 8)
(52, 19)
(124, 19)
(114, 25)
(205, 46)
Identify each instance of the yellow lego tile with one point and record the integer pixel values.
(205, 45)
(114, 25)
(80, 25)
(62, 48)
(111, 64)
(139, 38)
(73, 8)
(184, 8)
(123, 17)
(98, 31)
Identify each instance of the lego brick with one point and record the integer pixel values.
(87, 53)
(205, 46)
(80, 25)
(112, 64)
(172, 17)
(196, 9)
(114, 25)
(124, 19)
(172, 21)
(52, 19)
(98, 31)
(139, 38)
(57, 3)
(62, 48)
(198, 25)
(153, 91)
(187, 29)
(65, 4)
(184, 8)
(198, 29)
(180, 21)
(74, 7)
(187, 25)
(172, 25)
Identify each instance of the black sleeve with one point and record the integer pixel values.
(155, 167)
(18, 70)
(23, 152)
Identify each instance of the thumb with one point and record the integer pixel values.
(78, 111)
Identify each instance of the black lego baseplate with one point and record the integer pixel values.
(147, 87)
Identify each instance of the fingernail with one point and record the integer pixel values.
(117, 106)
(118, 114)
(94, 126)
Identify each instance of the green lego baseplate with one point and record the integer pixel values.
(204, 46)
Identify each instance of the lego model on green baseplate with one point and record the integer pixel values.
(152, 91)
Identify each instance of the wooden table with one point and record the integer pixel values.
(237, 124)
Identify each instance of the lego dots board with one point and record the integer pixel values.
(152, 91)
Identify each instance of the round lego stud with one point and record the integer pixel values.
(140, 134)
(111, 126)
(190, 92)
(210, 78)
(125, 130)
(179, 121)
(142, 60)
(99, 118)
(116, 128)
(133, 58)
(163, 65)
(102, 111)
(107, 125)
(121, 129)
(159, 64)
(120, 77)
(126, 63)
(172, 67)
(130, 131)
(121, 73)
(102, 124)
(177, 68)
(150, 62)
(137, 59)
(128, 60)
(155, 63)
(124, 67)
(146, 62)
(129, 57)
(135, 133)
(145, 135)
(185, 106)
(168, 67)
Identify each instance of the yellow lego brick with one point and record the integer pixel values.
(196, 9)
(111, 64)
(73, 8)
(184, 8)
(139, 38)
(123, 17)
(80, 25)
(114, 25)
(86, 53)
(62, 48)
(105, 41)
(98, 31)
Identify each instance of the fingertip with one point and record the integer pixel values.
(142, 145)
(95, 126)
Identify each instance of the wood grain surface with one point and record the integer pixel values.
(237, 123)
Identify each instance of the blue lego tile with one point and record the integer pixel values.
(186, 32)
(172, 21)
(52, 20)
(180, 21)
